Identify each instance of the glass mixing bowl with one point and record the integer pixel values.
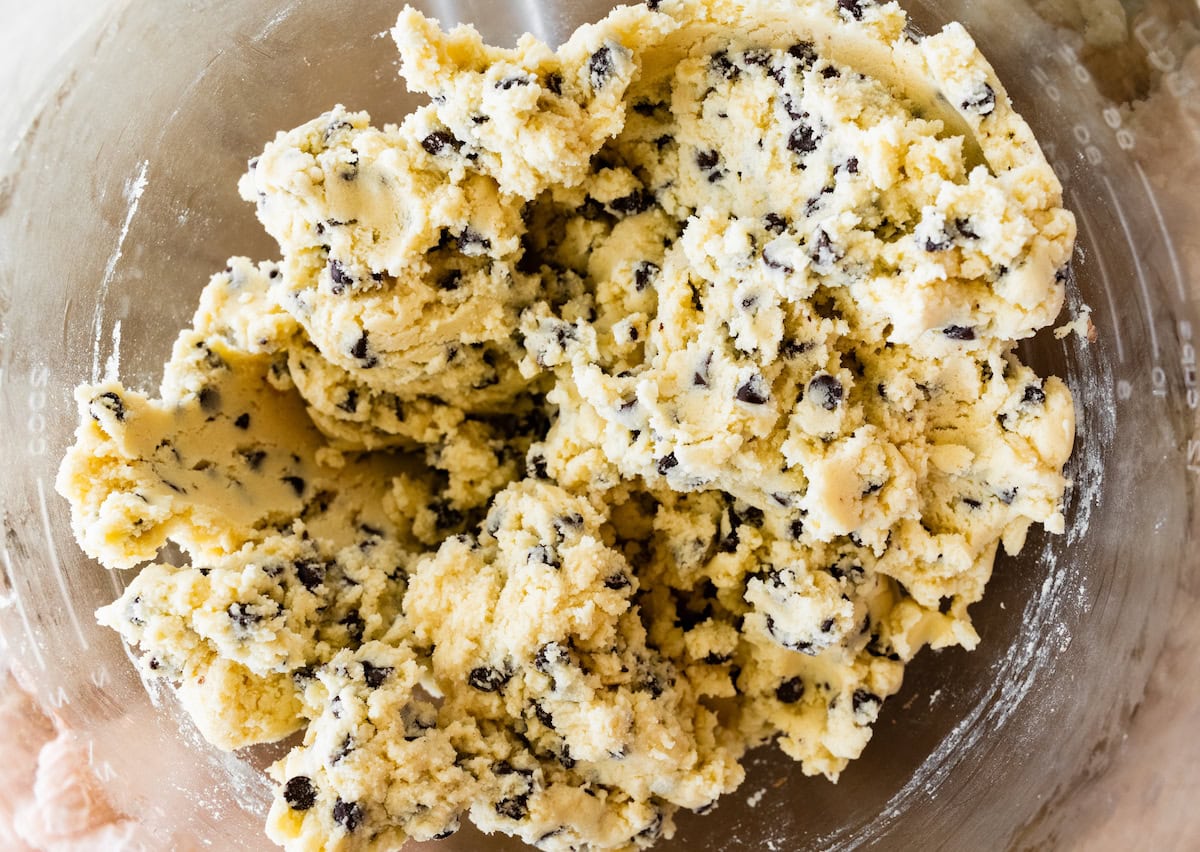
(119, 200)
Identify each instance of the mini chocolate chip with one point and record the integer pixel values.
(700, 377)
(340, 277)
(804, 51)
(790, 691)
(852, 165)
(829, 72)
(982, 101)
(554, 83)
(437, 142)
(297, 483)
(945, 605)
(487, 679)
(546, 556)
(638, 201)
(826, 391)
(347, 814)
(853, 7)
(537, 464)
(757, 56)
(753, 392)
(790, 348)
(299, 793)
(242, 421)
(513, 807)
(508, 82)
(775, 223)
(666, 463)
(362, 351)
(644, 274)
(959, 332)
(350, 403)
(242, 617)
(824, 253)
(862, 698)
(720, 64)
(616, 582)
(971, 502)
(1007, 496)
(707, 160)
(773, 263)
(375, 675)
(1033, 395)
(209, 399)
(965, 228)
(253, 458)
(600, 67)
(310, 572)
(803, 140)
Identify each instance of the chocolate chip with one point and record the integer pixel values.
(700, 377)
(350, 403)
(362, 351)
(965, 228)
(959, 332)
(299, 793)
(824, 253)
(757, 56)
(375, 675)
(474, 241)
(645, 274)
(310, 572)
(826, 391)
(666, 463)
(616, 582)
(508, 82)
(253, 458)
(242, 617)
(852, 165)
(537, 464)
(1007, 496)
(790, 691)
(544, 555)
(437, 142)
(775, 223)
(971, 503)
(487, 679)
(513, 807)
(297, 483)
(863, 698)
(753, 391)
(852, 7)
(790, 348)
(773, 263)
(721, 65)
(242, 421)
(340, 277)
(707, 160)
(982, 101)
(638, 201)
(554, 83)
(1033, 395)
(803, 140)
(600, 67)
(347, 814)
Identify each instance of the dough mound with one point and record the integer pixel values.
(631, 405)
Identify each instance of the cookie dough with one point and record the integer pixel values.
(631, 405)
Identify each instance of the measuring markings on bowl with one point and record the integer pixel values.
(56, 565)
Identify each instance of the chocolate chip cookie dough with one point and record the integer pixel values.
(630, 405)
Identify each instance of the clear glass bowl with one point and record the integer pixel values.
(120, 200)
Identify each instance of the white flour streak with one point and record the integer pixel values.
(133, 195)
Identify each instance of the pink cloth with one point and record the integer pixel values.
(50, 801)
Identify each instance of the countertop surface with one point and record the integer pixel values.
(1147, 798)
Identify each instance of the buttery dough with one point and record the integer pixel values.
(629, 406)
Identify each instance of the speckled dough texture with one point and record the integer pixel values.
(631, 405)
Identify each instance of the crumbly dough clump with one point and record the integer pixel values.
(629, 406)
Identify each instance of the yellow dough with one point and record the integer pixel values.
(629, 406)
